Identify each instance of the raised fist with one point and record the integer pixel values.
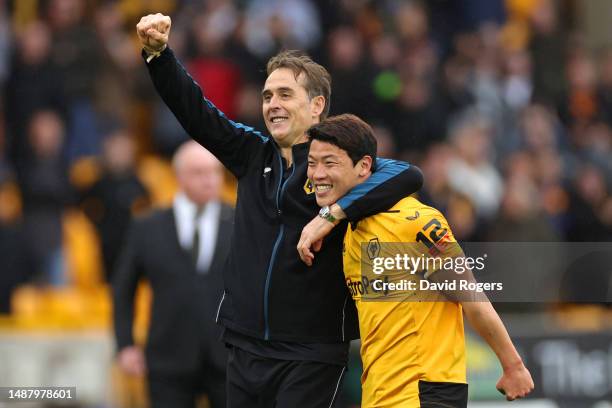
(153, 31)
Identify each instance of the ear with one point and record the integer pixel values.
(365, 166)
(317, 104)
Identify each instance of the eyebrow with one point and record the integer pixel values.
(281, 89)
(326, 157)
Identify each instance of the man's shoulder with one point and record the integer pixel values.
(152, 216)
(405, 219)
(412, 209)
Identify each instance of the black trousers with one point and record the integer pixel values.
(182, 390)
(259, 382)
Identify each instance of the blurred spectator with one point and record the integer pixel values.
(471, 172)
(605, 85)
(598, 147)
(538, 130)
(45, 189)
(436, 190)
(275, 24)
(416, 114)
(119, 81)
(75, 47)
(548, 48)
(34, 83)
(476, 13)
(347, 68)
(463, 219)
(76, 51)
(249, 106)
(112, 200)
(455, 91)
(589, 207)
(213, 27)
(180, 251)
(411, 23)
(215, 73)
(5, 41)
(550, 179)
(517, 87)
(384, 141)
(520, 218)
(579, 105)
(487, 86)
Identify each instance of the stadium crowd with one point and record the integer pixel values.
(501, 103)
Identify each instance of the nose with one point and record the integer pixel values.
(318, 172)
(274, 102)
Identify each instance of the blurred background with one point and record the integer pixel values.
(506, 105)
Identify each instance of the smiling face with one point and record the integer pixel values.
(288, 111)
(333, 173)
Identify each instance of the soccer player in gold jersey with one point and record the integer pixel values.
(413, 352)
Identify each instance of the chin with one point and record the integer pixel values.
(278, 133)
(323, 201)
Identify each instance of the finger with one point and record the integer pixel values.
(300, 247)
(308, 256)
(308, 253)
(156, 35)
(309, 260)
(164, 25)
(501, 390)
(143, 25)
(161, 22)
(302, 255)
(317, 245)
(141, 29)
(303, 252)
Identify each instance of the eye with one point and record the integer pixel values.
(267, 98)
(311, 163)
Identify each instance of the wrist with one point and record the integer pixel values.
(513, 365)
(153, 53)
(337, 212)
(327, 215)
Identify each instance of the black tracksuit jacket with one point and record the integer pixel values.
(269, 293)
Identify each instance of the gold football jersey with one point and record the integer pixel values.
(402, 340)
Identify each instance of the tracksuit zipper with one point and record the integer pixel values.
(279, 196)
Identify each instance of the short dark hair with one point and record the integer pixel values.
(318, 79)
(349, 133)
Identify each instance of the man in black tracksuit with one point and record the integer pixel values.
(287, 324)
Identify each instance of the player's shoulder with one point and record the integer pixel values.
(411, 209)
(412, 218)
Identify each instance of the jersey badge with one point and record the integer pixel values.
(309, 187)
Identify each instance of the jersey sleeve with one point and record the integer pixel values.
(392, 181)
(427, 231)
(232, 143)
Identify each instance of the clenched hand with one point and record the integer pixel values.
(153, 31)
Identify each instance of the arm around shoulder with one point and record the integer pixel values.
(392, 181)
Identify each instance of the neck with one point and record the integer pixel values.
(287, 155)
(287, 152)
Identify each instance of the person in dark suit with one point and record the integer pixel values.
(181, 251)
